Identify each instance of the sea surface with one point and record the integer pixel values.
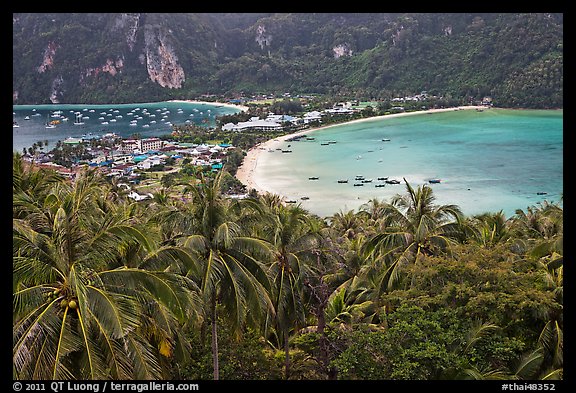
(151, 119)
(489, 161)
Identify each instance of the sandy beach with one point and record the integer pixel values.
(240, 107)
(247, 174)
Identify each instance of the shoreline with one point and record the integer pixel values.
(213, 103)
(247, 170)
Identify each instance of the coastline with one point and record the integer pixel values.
(214, 103)
(246, 172)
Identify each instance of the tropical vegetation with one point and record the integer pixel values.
(203, 286)
(103, 58)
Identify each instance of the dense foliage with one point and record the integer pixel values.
(203, 286)
(515, 58)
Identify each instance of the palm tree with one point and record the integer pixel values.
(30, 182)
(349, 224)
(85, 279)
(413, 226)
(227, 271)
(490, 228)
(288, 234)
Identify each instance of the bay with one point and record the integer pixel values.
(488, 161)
(151, 119)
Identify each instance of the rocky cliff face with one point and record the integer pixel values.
(48, 57)
(161, 59)
(64, 60)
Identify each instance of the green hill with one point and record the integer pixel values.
(108, 58)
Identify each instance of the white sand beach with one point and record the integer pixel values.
(247, 173)
(240, 107)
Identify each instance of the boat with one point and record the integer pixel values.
(286, 151)
(359, 177)
(367, 181)
(434, 181)
(305, 198)
(324, 144)
(358, 184)
(383, 178)
(393, 181)
(541, 193)
(27, 118)
(343, 181)
(385, 140)
(290, 201)
(15, 124)
(313, 178)
(379, 185)
(78, 121)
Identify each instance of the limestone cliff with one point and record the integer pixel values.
(161, 59)
(48, 57)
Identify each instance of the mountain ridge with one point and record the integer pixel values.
(108, 58)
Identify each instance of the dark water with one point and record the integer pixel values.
(151, 119)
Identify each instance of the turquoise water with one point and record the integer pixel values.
(34, 129)
(487, 161)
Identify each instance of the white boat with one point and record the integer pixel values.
(78, 121)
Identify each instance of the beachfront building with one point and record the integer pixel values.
(310, 117)
(340, 111)
(255, 123)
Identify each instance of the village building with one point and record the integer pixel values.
(141, 145)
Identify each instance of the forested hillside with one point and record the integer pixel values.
(107, 58)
